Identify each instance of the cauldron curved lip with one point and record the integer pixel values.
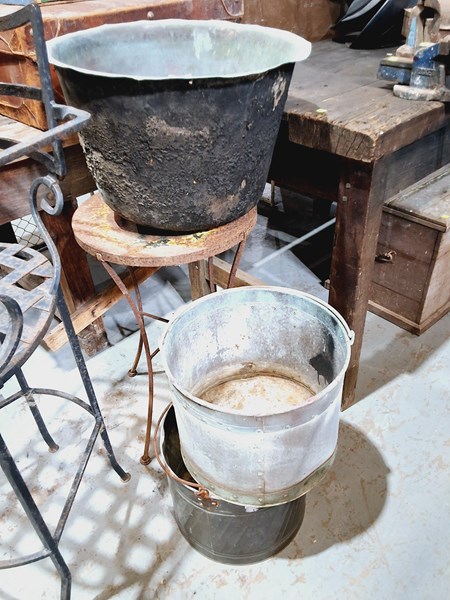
(291, 47)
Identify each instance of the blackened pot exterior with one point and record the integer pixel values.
(180, 155)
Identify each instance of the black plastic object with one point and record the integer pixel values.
(225, 532)
(185, 114)
(372, 23)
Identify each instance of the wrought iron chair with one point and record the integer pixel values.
(30, 293)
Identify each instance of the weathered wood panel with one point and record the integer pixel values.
(428, 201)
(414, 291)
(437, 299)
(413, 245)
(312, 20)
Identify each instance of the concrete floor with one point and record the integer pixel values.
(377, 527)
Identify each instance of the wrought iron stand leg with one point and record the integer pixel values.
(235, 265)
(145, 458)
(233, 270)
(79, 359)
(52, 445)
(133, 370)
(22, 492)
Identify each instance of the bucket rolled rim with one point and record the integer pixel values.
(313, 400)
(299, 48)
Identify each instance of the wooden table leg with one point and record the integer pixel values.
(198, 276)
(360, 204)
(202, 273)
(76, 278)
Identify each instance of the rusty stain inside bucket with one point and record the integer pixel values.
(255, 391)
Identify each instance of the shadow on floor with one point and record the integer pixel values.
(390, 352)
(348, 501)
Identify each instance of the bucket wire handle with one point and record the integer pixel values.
(350, 333)
(202, 492)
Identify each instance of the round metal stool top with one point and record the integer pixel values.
(102, 233)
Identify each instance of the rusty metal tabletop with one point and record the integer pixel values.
(108, 237)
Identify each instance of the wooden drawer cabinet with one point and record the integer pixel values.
(411, 281)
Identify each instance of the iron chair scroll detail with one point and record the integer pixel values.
(24, 321)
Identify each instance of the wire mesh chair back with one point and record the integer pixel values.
(31, 279)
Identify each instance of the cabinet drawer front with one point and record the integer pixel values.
(413, 245)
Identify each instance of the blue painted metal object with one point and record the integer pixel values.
(421, 78)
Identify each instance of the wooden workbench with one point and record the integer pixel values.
(347, 138)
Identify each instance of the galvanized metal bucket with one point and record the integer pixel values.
(222, 531)
(257, 457)
(185, 114)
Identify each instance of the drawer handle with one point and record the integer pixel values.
(386, 257)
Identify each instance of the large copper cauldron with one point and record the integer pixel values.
(185, 114)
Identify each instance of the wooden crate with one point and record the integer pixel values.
(413, 291)
(17, 53)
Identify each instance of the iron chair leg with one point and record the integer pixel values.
(52, 445)
(22, 492)
(79, 359)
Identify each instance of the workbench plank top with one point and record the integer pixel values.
(337, 104)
